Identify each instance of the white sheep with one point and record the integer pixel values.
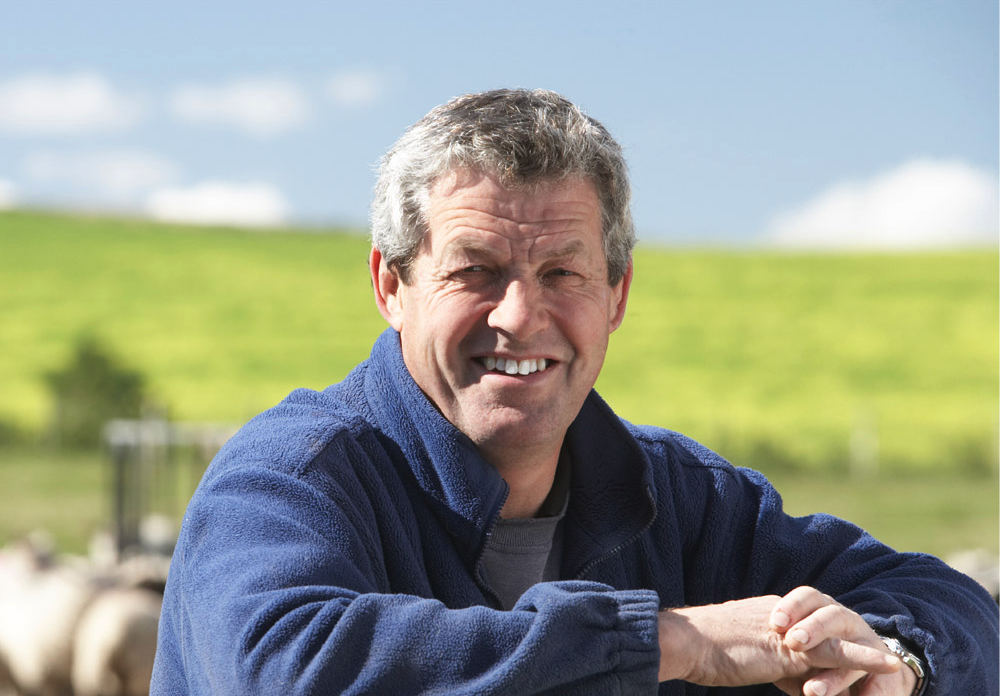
(115, 643)
(69, 628)
(40, 603)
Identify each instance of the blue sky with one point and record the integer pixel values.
(827, 124)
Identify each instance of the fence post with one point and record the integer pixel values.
(864, 455)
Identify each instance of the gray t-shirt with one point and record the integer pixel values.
(526, 551)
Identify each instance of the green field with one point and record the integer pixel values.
(851, 371)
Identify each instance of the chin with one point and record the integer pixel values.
(516, 436)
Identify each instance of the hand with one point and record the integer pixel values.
(810, 620)
(739, 643)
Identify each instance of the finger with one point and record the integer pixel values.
(797, 605)
(835, 653)
(886, 684)
(831, 621)
(832, 682)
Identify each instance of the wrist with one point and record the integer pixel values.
(678, 644)
(912, 662)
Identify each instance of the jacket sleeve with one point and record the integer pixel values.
(942, 613)
(261, 600)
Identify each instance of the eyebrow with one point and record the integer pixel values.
(572, 248)
(475, 248)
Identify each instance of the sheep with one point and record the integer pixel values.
(115, 643)
(981, 565)
(40, 603)
(116, 638)
(71, 628)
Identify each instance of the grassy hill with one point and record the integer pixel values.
(222, 322)
(797, 360)
(777, 360)
(861, 364)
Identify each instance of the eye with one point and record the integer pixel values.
(560, 277)
(557, 274)
(472, 274)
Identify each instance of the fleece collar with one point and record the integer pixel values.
(611, 498)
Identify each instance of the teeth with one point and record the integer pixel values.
(514, 367)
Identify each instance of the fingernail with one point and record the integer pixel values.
(819, 689)
(799, 636)
(892, 660)
(780, 619)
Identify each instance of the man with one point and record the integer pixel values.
(464, 515)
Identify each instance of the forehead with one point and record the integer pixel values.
(466, 204)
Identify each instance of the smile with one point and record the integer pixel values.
(510, 366)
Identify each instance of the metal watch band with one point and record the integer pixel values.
(911, 661)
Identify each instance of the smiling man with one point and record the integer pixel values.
(462, 514)
(504, 318)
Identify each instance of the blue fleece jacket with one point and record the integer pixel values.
(334, 546)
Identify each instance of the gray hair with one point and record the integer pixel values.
(524, 138)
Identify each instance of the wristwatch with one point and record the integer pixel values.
(910, 660)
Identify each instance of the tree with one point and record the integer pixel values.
(92, 389)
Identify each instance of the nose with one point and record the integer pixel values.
(519, 310)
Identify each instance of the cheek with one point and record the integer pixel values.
(448, 321)
(586, 317)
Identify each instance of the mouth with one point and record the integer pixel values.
(510, 366)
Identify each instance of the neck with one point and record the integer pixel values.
(530, 480)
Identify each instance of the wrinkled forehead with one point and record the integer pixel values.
(465, 192)
(496, 193)
(474, 211)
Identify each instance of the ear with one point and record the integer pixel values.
(387, 286)
(619, 298)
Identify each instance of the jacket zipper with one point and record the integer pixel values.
(478, 568)
(617, 549)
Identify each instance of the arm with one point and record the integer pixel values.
(276, 589)
(741, 544)
(804, 643)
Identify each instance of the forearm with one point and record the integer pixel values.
(572, 637)
(740, 643)
(942, 613)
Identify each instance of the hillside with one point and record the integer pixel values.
(775, 360)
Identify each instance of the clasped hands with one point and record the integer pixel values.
(805, 643)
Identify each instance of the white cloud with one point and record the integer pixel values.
(117, 174)
(921, 204)
(260, 107)
(220, 203)
(69, 105)
(7, 195)
(355, 88)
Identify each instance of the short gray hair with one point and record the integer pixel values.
(522, 137)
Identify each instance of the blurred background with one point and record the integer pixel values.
(183, 200)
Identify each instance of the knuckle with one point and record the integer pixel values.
(797, 599)
(806, 591)
(825, 619)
